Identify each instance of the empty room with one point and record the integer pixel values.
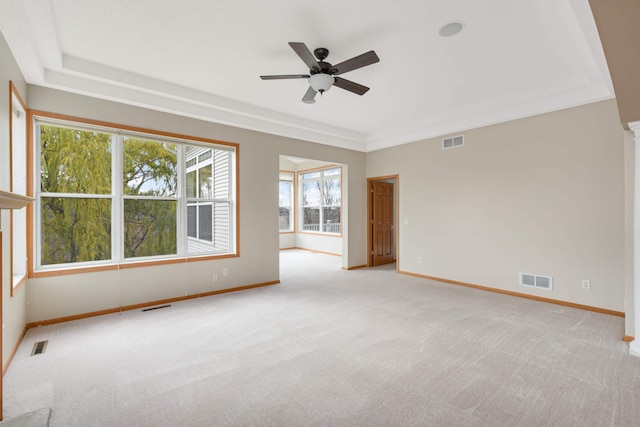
(332, 213)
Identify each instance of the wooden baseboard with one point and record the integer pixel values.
(13, 352)
(146, 304)
(355, 267)
(518, 294)
(628, 338)
(320, 252)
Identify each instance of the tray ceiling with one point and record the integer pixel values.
(202, 59)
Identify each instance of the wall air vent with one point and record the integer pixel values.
(454, 141)
(156, 308)
(39, 347)
(535, 281)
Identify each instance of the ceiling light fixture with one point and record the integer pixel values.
(451, 29)
(321, 82)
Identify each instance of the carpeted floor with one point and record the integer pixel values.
(331, 347)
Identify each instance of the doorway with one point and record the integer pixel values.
(311, 196)
(382, 210)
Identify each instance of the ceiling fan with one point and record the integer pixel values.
(321, 73)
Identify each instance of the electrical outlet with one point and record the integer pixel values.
(215, 278)
(419, 260)
(225, 272)
(586, 284)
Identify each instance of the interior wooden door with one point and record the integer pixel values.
(383, 232)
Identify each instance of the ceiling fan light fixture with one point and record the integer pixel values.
(321, 82)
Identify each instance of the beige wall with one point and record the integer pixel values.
(629, 172)
(259, 237)
(13, 308)
(542, 195)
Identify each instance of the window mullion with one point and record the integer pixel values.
(182, 202)
(117, 204)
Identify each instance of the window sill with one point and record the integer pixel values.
(17, 283)
(319, 233)
(13, 201)
(124, 266)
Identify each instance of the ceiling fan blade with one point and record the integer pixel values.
(356, 88)
(354, 63)
(309, 96)
(286, 76)
(305, 54)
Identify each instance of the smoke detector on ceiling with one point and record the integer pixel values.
(451, 29)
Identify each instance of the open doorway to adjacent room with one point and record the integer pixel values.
(311, 214)
(382, 209)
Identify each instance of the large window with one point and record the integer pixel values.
(111, 196)
(321, 200)
(286, 201)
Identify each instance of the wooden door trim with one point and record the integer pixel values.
(396, 219)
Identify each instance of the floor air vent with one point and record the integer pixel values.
(535, 281)
(39, 347)
(156, 308)
(455, 141)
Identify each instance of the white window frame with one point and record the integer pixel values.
(214, 200)
(321, 180)
(198, 201)
(118, 197)
(288, 177)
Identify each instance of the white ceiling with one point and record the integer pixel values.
(202, 59)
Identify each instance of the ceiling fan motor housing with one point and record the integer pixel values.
(324, 68)
(321, 53)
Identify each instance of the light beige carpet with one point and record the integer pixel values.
(331, 347)
(37, 418)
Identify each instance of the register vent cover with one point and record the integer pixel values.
(454, 141)
(156, 307)
(536, 281)
(39, 347)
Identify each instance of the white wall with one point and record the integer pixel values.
(61, 296)
(542, 195)
(14, 310)
(321, 243)
(287, 240)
